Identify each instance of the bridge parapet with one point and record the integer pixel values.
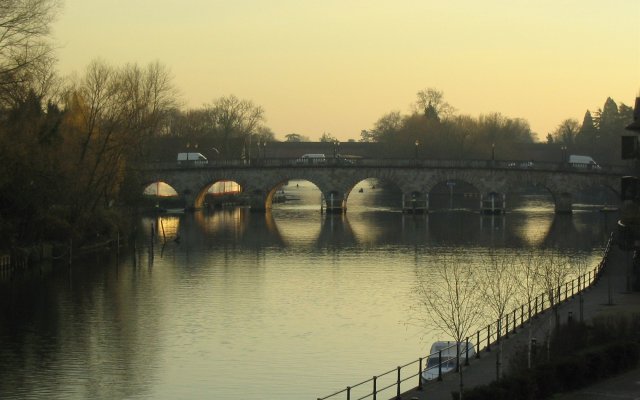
(512, 165)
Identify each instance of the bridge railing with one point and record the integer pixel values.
(390, 162)
(392, 383)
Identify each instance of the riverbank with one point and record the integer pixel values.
(608, 296)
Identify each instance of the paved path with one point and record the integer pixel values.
(608, 295)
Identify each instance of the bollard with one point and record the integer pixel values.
(533, 347)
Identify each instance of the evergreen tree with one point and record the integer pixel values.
(431, 113)
(588, 132)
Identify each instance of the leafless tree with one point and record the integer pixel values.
(110, 112)
(580, 263)
(449, 298)
(528, 284)
(498, 288)
(235, 117)
(431, 97)
(552, 273)
(26, 55)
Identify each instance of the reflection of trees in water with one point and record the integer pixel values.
(79, 323)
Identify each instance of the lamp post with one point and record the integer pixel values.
(564, 154)
(493, 152)
(264, 149)
(417, 144)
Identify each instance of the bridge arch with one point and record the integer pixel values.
(373, 192)
(414, 179)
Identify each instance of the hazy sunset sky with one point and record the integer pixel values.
(336, 66)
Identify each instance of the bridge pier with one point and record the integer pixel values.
(333, 202)
(415, 203)
(493, 203)
(563, 203)
(259, 201)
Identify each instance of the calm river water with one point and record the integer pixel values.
(288, 305)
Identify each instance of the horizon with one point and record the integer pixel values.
(337, 67)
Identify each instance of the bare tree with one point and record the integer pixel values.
(295, 137)
(581, 264)
(434, 99)
(528, 284)
(235, 117)
(25, 53)
(553, 273)
(109, 114)
(449, 299)
(498, 291)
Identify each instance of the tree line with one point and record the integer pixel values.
(67, 142)
(437, 131)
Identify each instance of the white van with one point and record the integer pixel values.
(312, 159)
(587, 162)
(192, 158)
(448, 350)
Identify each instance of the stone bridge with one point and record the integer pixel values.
(260, 179)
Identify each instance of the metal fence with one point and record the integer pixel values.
(393, 380)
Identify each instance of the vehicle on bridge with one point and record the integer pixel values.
(192, 158)
(520, 164)
(312, 159)
(577, 161)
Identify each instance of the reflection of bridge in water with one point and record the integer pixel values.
(241, 228)
(416, 179)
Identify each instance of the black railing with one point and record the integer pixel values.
(489, 336)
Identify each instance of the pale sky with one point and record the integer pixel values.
(336, 66)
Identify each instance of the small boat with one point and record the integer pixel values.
(442, 357)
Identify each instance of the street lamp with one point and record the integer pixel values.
(264, 149)
(417, 143)
(564, 153)
(493, 151)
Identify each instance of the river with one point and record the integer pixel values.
(291, 304)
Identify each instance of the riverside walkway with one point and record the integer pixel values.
(609, 295)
